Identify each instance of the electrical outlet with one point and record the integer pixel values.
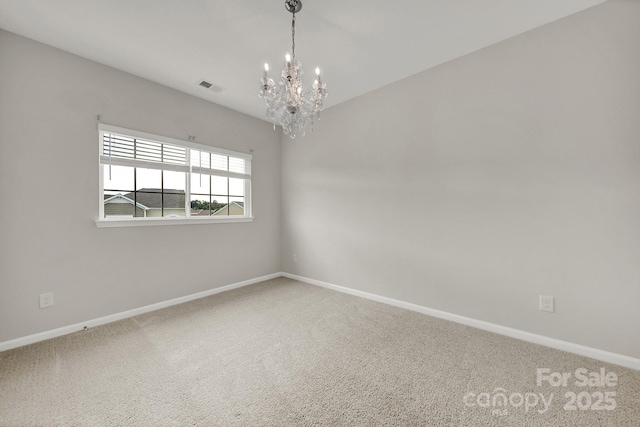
(546, 303)
(46, 300)
(295, 258)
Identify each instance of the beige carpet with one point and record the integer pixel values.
(283, 353)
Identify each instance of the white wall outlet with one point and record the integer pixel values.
(46, 300)
(546, 303)
(295, 258)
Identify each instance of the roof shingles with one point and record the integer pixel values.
(153, 198)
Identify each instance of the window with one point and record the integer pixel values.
(148, 179)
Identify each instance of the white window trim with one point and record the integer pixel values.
(143, 222)
(103, 222)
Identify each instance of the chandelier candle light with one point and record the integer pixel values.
(287, 103)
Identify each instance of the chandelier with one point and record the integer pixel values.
(287, 103)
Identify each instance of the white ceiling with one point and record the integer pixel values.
(360, 45)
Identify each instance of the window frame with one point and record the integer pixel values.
(188, 168)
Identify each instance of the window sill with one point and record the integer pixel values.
(144, 222)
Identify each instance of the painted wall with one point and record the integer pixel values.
(478, 185)
(49, 101)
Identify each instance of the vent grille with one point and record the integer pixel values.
(211, 86)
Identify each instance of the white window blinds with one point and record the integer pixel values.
(124, 147)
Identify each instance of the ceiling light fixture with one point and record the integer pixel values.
(287, 103)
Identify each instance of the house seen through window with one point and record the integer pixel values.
(148, 176)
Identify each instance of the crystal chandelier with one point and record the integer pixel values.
(287, 103)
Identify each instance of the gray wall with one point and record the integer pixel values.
(49, 100)
(475, 186)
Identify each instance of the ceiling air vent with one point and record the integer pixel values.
(205, 84)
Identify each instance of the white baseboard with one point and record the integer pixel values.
(594, 353)
(30, 339)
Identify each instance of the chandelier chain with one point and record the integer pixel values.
(293, 35)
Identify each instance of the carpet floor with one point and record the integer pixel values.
(284, 353)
